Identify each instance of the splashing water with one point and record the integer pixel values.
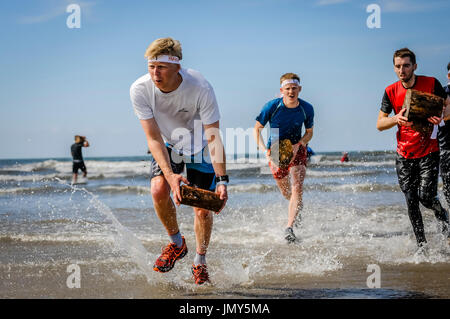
(125, 238)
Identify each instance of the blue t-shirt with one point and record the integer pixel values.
(286, 121)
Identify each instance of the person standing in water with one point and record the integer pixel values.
(179, 114)
(286, 116)
(77, 157)
(417, 161)
(344, 157)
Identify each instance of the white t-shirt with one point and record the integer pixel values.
(180, 114)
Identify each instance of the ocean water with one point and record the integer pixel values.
(354, 216)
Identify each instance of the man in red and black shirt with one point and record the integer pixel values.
(417, 161)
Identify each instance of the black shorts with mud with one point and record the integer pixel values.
(418, 179)
(199, 175)
(444, 163)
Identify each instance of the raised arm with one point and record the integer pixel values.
(86, 143)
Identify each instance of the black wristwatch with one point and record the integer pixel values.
(223, 178)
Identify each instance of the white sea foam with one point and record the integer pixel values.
(247, 243)
(58, 238)
(314, 172)
(338, 163)
(125, 189)
(97, 169)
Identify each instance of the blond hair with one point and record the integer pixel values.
(289, 76)
(164, 46)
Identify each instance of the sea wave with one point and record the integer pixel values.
(56, 238)
(316, 173)
(232, 188)
(125, 189)
(98, 169)
(353, 188)
(252, 188)
(338, 163)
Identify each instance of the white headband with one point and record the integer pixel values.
(166, 59)
(293, 81)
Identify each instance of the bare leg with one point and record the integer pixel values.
(284, 185)
(203, 222)
(297, 174)
(165, 209)
(74, 178)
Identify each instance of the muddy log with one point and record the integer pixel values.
(200, 198)
(419, 107)
(281, 153)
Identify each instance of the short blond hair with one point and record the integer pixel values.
(289, 76)
(164, 46)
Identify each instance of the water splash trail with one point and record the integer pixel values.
(125, 238)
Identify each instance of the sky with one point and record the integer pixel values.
(56, 81)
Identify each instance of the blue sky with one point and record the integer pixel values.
(57, 82)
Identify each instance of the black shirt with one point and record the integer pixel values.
(76, 151)
(444, 131)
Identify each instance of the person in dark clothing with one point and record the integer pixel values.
(444, 143)
(417, 161)
(78, 162)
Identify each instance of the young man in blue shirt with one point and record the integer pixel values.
(286, 116)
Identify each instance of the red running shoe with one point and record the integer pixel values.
(200, 273)
(169, 256)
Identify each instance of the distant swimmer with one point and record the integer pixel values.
(286, 116)
(444, 142)
(344, 157)
(175, 106)
(77, 157)
(417, 161)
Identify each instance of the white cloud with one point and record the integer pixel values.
(405, 6)
(397, 6)
(53, 13)
(330, 2)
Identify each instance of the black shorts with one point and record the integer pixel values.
(418, 174)
(445, 172)
(199, 175)
(78, 165)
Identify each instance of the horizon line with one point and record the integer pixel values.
(143, 155)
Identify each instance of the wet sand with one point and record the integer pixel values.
(109, 280)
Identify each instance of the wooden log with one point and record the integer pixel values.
(419, 107)
(281, 153)
(200, 198)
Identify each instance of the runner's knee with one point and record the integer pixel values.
(286, 193)
(202, 214)
(427, 202)
(159, 189)
(297, 189)
(412, 200)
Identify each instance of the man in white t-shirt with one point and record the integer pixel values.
(179, 114)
